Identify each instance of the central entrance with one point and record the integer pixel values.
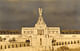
(40, 31)
(28, 42)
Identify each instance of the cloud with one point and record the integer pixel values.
(13, 0)
(17, 13)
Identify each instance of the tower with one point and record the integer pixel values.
(40, 21)
(40, 30)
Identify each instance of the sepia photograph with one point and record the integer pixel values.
(39, 25)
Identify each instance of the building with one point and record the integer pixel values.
(39, 38)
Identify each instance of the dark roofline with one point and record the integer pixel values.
(10, 32)
(70, 31)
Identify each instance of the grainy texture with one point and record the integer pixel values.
(17, 13)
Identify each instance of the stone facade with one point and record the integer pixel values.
(39, 38)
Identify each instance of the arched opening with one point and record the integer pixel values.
(24, 45)
(16, 46)
(53, 44)
(20, 44)
(78, 41)
(71, 42)
(65, 43)
(5, 46)
(28, 42)
(59, 43)
(74, 42)
(1, 46)
(68, 42)
(13, 39)
(53, 41)
(62, 43)
(12, 46)
(8, 46)
(40, 41)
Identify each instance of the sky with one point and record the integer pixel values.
(15, 14)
